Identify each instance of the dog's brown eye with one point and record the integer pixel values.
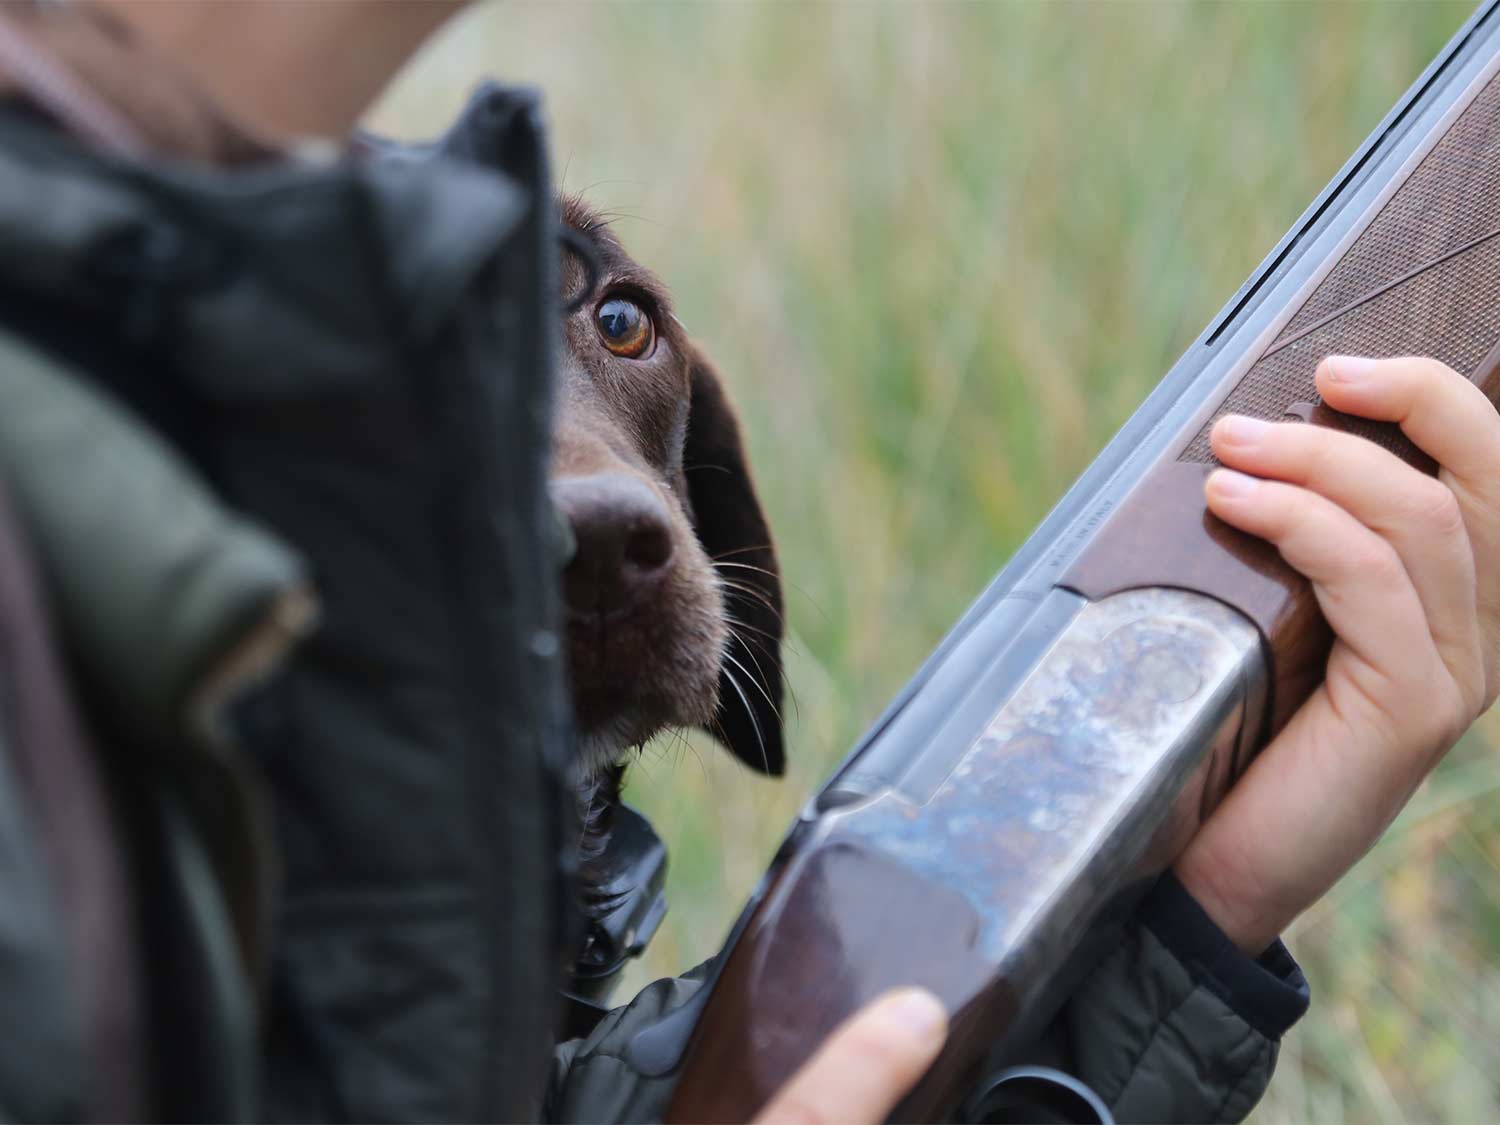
(624, 327)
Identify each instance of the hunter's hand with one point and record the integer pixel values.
(866, 1066)
(1407, 571)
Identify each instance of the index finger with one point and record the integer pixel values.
(866, 1066)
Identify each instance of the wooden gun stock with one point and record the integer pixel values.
(1066, 740)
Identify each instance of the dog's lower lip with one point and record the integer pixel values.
(602, 708)
(586, 618)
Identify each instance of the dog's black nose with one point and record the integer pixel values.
(623, 537)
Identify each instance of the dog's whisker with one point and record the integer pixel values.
(734, 635)
(770, 649)
(735, 623)
(768, 642)
(687, 745)
(667, 748)
(754, 723)
(609, 217)
(644, 762)
(756, 684)
(751, 592)
(732, 596)
(772, 574)
(738, 590)
(750, 644)
(738, 551)
(791, 585)
(748, 566)
(743, 587)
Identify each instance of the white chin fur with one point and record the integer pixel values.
(602, 748)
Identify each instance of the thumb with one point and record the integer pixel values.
(866, 1066)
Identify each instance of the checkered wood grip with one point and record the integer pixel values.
(1423, 279)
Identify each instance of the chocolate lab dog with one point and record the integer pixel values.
(672, 594)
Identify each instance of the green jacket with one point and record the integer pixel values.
(273, 434)
(274, 428)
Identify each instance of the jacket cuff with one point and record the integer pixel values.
(1268, 992)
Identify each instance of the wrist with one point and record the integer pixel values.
(1242, 919)
(1267, 991)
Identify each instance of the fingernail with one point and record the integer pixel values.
(1238, 429)
(1230, 485)
(919, 1013)
(1348, 368)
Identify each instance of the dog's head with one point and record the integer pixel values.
(672, 594)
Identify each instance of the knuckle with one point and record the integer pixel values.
(1427, 369)
(1320, 449)
(1456, 711)
(1432, 508)
(1479, 500)
(1285, 509)
(1490, 673)
(1464, 665)
(1475, 692)
(1376, 560)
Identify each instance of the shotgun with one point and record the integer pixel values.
(1067, 738)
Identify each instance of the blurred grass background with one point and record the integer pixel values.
(942, 251)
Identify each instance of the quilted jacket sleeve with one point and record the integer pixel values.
(1175, 1023)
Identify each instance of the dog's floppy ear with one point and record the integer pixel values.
(734, 533)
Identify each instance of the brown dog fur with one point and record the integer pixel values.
(697, 641)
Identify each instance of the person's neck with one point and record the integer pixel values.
(288, 67)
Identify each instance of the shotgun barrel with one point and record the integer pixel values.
(1067, 738)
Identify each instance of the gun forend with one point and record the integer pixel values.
(980, 879)
(1067, 738)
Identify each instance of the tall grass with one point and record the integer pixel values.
(942, 251)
